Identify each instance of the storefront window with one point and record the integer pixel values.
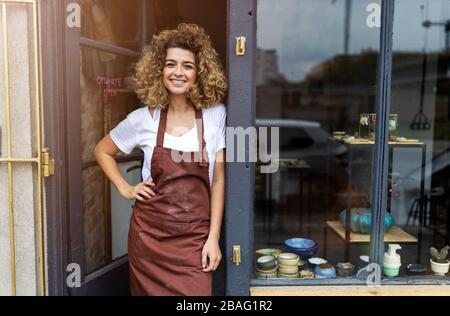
(419, 170)
(316, 81)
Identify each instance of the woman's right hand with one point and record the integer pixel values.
(142, 191)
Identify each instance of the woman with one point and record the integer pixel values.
(173, 242)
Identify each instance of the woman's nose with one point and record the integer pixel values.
(179, 71)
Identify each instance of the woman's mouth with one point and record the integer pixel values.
(177, 83)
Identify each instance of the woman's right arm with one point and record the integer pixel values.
(104, 153)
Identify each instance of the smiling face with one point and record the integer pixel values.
(180, 72)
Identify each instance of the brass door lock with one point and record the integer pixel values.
(240, 45)
(237, 255)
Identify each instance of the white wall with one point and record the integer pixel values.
(20, 49)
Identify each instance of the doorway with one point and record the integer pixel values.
(99, 61)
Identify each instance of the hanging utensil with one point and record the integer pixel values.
(420, 120)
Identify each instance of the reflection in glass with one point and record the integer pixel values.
(112, 21)
(106, 98)
(364, 126)
(316, 73)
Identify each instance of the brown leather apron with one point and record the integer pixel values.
(168, 231)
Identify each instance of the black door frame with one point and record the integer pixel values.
(53, 84)
(240, 175)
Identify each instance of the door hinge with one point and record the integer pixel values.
(237, 255)
(48, 165)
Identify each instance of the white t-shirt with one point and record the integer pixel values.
(140, 129)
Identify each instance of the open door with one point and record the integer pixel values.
(100, 57)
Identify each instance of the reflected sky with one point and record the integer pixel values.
(306, 32)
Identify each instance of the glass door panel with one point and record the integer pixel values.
(106, 98)
(112, 21)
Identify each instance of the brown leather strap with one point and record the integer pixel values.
(200, 130)
(161, 128)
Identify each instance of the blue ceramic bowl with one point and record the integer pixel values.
(304, 248)
(325, 270)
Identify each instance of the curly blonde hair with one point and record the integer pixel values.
(211, 84)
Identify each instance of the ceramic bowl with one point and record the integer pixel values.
(287, 269)
(266, 262)
(439, 268)
(288, 259)
(416, 269)
(288, 276)
(304, 248)
(345, 269)
(306, 274)
(267, 252)
(313, 262)
(363, 261)
(325, 270)
(266, 276)
(266, 271)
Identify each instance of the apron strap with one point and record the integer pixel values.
(161, 127)
(201, 138)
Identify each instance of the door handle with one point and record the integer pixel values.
(133, 168)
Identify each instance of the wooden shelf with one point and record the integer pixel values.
(358, 141)
(395, 234)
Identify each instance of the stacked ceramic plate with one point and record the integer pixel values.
(266, 267)
(288, 265)
(267, 252)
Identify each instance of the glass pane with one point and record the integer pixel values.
(106, 99)
(419, 170)
(106, 95)
(316, 75)
(112, 21)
